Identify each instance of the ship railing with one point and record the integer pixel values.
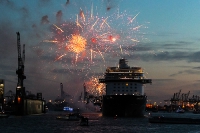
(143, 81)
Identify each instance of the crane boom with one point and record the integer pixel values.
(18, 45)
(23, 54)
(178, 96)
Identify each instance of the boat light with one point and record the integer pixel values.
(67, 109)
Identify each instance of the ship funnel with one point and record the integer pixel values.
(123, 64)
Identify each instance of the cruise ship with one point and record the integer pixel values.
(124, 91)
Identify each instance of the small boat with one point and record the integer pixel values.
(70, 117)
(180, 110)
(4, 115)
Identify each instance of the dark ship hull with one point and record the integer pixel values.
(124, 105)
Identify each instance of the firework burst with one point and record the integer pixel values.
(95, 36)
(92, 38)
(94, 87)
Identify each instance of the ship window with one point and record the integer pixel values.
(126, 84)
(126, 90)
(113, 90)
(135, 90)
(118, 90)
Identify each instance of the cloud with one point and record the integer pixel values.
(198, 68)
(59, 16)
(186, 72)
(44, 20)
(7, 3)
(164, 52)
(67, 2)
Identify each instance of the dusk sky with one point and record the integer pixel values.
(161, 36)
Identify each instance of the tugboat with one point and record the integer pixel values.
(124, 91)
(70, 117)
(3, 114)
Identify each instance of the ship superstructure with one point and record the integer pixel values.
(124, 90)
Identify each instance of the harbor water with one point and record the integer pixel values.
(47, 123)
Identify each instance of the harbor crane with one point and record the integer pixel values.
(21, 60)
(183, 99)
(175, 97)
(20, 89)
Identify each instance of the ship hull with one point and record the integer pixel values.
(124, 105)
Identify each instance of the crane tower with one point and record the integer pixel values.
(20, 89)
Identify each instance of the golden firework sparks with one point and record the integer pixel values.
(58, 28)
(133, 18)
(54, 41)
(134, 40)
(94, 87)
(60, 57)
(105, 22)
(77, 44)
(136, 28)
(82, 14)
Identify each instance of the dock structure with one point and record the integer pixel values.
(1, 94)
(182, 99)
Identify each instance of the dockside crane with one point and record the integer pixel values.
(21, 60)
(176, 98)
(178, 95)
(20, 89)
(186, 96)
